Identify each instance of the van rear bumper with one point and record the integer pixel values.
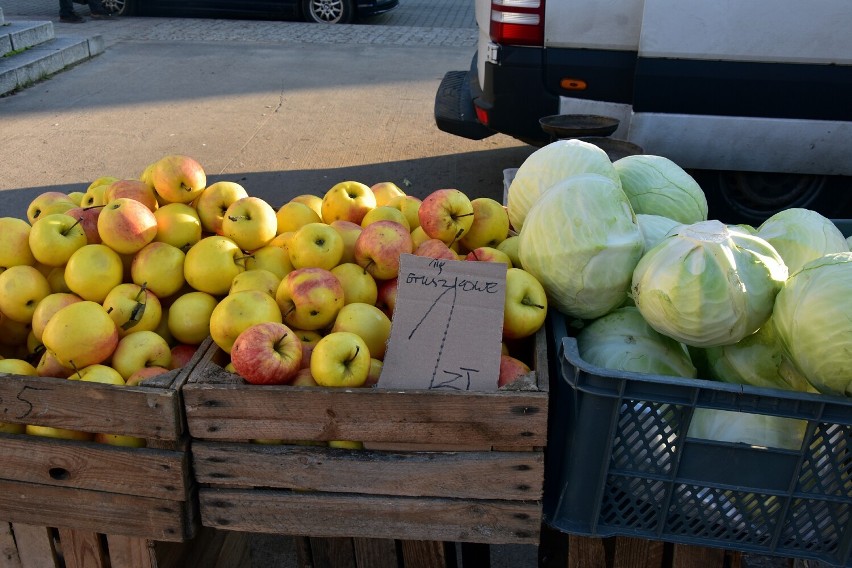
(454, 111)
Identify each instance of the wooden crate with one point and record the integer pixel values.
(444, 466)
(135, 492)
(28, 546)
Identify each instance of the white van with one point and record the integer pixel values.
(753, 97)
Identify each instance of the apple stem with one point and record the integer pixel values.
(455, 238)
(68, 230)
(94, 207)
(185, 187)
(290, 311)
(76, 370)
(280, 339)
(528, 302)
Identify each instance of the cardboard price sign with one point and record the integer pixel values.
(447, 325)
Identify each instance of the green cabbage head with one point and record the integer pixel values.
(657, 186)
(549, 165)
(623, 340)
(813, 318)
(801, 235)
(708, 284)
(654, 228)
(582, 242)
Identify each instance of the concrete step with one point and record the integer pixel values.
(15, 36)
(24, 68)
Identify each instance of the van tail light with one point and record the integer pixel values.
(517, 22)
(481, 115)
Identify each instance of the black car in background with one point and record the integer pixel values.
(320, 11)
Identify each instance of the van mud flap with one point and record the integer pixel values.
(454, 112)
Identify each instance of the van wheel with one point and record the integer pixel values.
(121, 7)
(329, 11)
(752, 197)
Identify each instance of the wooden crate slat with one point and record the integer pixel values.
(375, 552)
(82, 549)
(239, 412)
(424, 554)
(350, 515)
(131, 552)
(333, 552)
(36, 547)
(110, 513)
(474, 475)
(63, 463)
(8, 550)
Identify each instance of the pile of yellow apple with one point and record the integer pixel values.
(125, 280)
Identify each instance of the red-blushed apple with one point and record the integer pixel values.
(88, 217)
(81, 334)
(375, 372)
(511, 369)
(435, 248)
(386, 297)
(145, 373)
(309, 298)
(214, 201)
(58, 433)
(347, 201)
(349, 231)
(409, 205)
(340, 359)
(315, 245)
(293, 215)
(48, 306)
(126, 225)
(309, 340)
(14, 243)
(267, 354)
(490, 224)
(379, 246)
(49, 366)
(525, 308)
(489, 254)
(446, 215)
(384, 191)
(132, 189)
(369, 323)
(182, 354)
(48, 202)
(178, 179)
(303, 378)
(250, 222)
(237, 312)
(139, 350)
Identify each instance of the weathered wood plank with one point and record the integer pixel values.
(425, 554)
(333, 553)
(82, 549)
(108, 513)
(586, 552)
(635, 552)
(339, 515)
(79, 465)
(8, 550)
(36, 547)
(685, 556)
(473, 475)
(131, 552)
(375, 553)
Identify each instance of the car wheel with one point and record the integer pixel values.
(121, 7)
(328, 11)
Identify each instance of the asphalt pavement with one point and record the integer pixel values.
(282, 107)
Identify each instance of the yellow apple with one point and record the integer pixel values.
(375, 372)
(510, 247)
(346, 444)
(92, 271)
(55, 237)
(98, 374)
(293, 215)
(132, 189)
(178, 179)
(255, 279)
(126, 225)
(490, 224)
(81, 334)
(48, 306)
(385, 191)
(358, 284)
(21, 289)
(77, 197)
(347, 201)
(309, 340)
(315, 245)
(133, 308)
(340, 359)
(95, 196)
(12, 428)
(15, 243)
(212, 263)
(410, 206)
(273, 258)
(58, 433)
(312, 201)
(349, 231)
(120, 440)
(309, 298)
(236, 312)
(446, 215)
(139, 350)
(385, 213)
(526, 304)
(189, 317)
(47, 203)
(178, 224)
(18, 367)
(159, 266)
(103, 180)
(369, 323)
(250, 222)
(379, 246)
(214, 201)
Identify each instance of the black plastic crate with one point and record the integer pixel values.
(620, 464)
